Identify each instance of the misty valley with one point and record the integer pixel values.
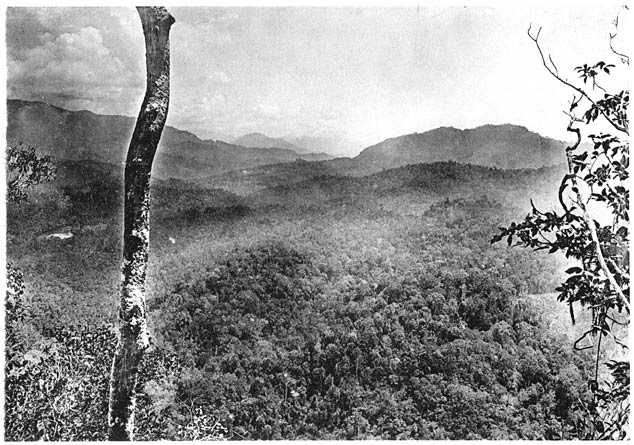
(295, 295)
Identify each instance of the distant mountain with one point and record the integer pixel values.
(217, 136)
(260, 140)
(83, 135)
(263, 141)
(335, 146)
(78, 135)
(502, 146)
(499, 146)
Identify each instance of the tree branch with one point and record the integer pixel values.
(624, 58)
(618, 269)
(535, 39)
(590, 223)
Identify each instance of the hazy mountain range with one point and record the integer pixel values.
(259, 140)
(335, 146)
(83, 135)
(502, 146)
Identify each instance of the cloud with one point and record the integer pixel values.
(228, 17)
(75, 58)
(215, 34)
(120, 28)
(214, 102)
(74, 65)
(268, 110)
(219, 76)
(185, 113)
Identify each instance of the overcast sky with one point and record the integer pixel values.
(361, 73)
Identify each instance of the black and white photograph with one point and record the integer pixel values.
(316, 221)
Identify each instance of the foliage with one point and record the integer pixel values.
(56, 380)
(369, 307)
(274, 352)
(599, 280)
(57, 388)
(25, 170)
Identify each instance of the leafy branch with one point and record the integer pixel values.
(25, 170)
(596, 176)
(590, 223)
(599, 106)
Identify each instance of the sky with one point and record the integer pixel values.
(362, 74)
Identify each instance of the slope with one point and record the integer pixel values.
(502, 146)
(83, 135)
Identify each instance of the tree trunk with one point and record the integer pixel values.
(133, 335)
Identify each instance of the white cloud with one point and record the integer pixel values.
(191, 113)
(73, 66)
(214, 102)
(211, 35)
(268, 110)
(228, 17)
(219, 76)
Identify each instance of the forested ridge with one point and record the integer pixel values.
(329, 307)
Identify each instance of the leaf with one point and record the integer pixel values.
(34, 356)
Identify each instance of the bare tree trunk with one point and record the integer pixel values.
(133, 335)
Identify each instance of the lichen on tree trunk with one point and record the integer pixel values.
(133, 334)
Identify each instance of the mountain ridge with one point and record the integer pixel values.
(506, 146)
(84, 135)
(260, 140)
(77, 135)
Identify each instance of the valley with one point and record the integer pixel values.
(304, 299)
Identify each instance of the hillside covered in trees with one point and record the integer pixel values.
(324, 307)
